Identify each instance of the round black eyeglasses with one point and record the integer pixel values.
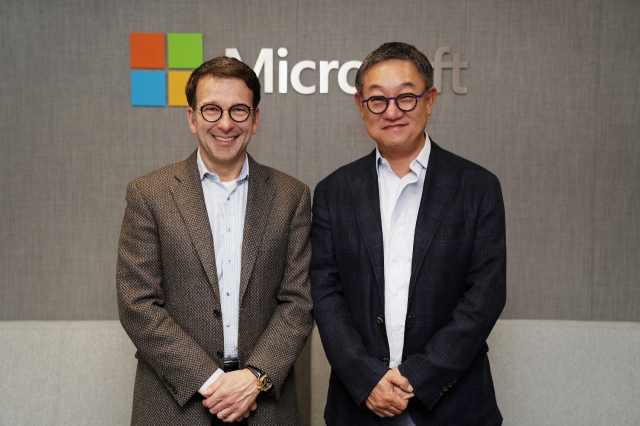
(238, 113)
(405, 102)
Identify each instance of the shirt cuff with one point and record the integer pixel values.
(210, 380)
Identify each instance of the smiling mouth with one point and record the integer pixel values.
(393, 126)
(221, 139)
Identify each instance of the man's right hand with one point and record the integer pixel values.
(232, 397)
(391, 395)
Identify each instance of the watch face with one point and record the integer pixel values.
(265, 383)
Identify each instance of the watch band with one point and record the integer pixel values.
(258, 373)
(264, 382)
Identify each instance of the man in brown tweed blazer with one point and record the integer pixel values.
(212, 275)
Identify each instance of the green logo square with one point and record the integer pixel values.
(184, 50)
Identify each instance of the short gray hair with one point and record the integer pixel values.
(396, 50)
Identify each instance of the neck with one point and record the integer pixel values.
(400, 160)
(227, 172)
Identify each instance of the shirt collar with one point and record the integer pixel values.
(420, 162)
(203, 170)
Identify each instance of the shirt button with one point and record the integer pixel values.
(395, 259)
(228, 229)
(396, 225)
(228, 198)
(229, 261)
(398, 328)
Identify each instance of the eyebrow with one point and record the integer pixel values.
(403, 85)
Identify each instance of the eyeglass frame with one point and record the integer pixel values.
(222, 110)
(395, 98)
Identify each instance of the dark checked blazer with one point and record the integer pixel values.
(456, 291)
(169, 301)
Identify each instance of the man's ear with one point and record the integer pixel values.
(359, 103)
(431, 96)
(256, 121)
(191, 117)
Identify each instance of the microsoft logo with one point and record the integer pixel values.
(161, 65)
(150, 55)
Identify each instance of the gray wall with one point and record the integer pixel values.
(552, 107)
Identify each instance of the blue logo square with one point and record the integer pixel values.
(148, 88)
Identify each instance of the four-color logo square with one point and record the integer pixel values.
(152, 51)
(185, 50)
(148, 88)
(147, 50)
(177, 81)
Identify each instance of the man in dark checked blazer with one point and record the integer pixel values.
(212, 276)
(408, 268)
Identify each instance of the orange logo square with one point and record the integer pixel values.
(147, 50)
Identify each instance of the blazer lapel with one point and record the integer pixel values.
(363, 186)
(440, 184)
(259, 204)
(189, 198)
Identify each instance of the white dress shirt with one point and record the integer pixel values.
(399, 205)
(226, 204)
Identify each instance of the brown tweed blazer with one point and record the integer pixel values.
(169, 302)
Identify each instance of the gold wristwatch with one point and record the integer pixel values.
(264, 382)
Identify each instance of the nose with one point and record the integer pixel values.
(225, 122)
(392, 112)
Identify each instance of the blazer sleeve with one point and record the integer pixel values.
(178, 360)
(358, 371)
(452, 349)
(283, 339)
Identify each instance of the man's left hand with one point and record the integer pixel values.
(391, 395)
(233, 396)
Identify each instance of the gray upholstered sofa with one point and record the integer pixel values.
(546, 373)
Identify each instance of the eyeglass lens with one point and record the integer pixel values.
(238, 113)
(405, 102)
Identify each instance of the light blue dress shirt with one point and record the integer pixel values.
(226, 204)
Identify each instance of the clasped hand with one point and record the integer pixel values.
(232, 397)
(391, 395)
